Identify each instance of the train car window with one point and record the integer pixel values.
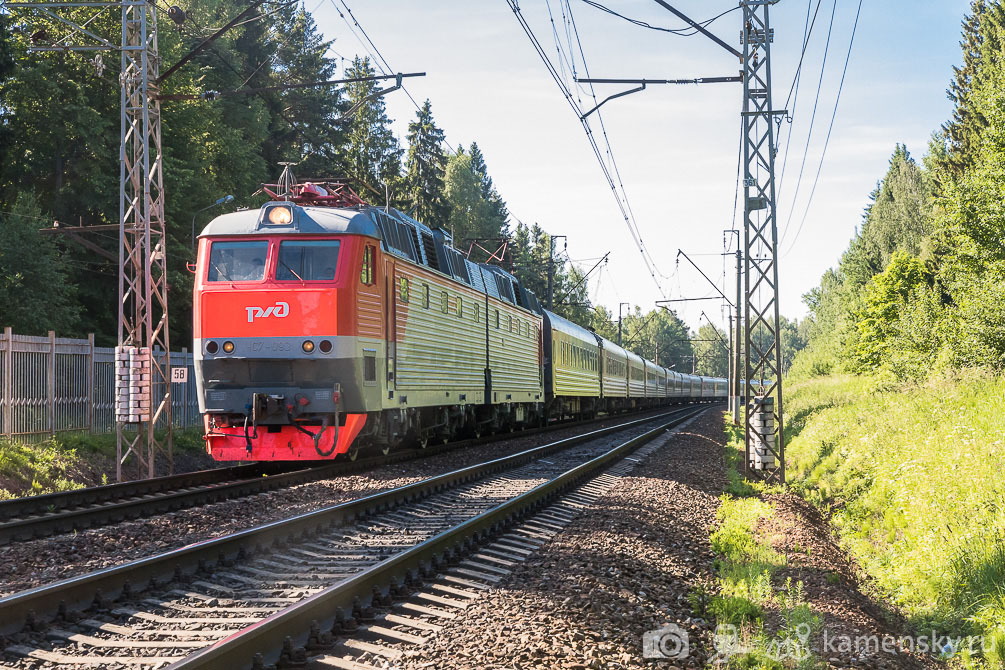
(403, 289)
(444, 302)
(366, 271)
(237, 261)
(307, 260)
(427, 295)
(497, 319)
(460, 306)
(510, 317)
(477, 311)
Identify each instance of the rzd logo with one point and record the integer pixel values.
(279, 310)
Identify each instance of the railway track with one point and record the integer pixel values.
(41, 516)
(326, 580)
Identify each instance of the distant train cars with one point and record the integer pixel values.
(323, 324)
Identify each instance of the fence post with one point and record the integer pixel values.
(90, 383)
(52, 382)
(8, 382)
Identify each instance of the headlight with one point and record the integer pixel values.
(280, 216)
(325, 346)
(308, 346)
(228, 347)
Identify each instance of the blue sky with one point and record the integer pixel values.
(676, 147)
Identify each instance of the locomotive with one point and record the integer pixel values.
(323, 324)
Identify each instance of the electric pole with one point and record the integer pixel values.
(737, 388)
(143, 354)
(761, 345)
(144, 399)
(762, 382)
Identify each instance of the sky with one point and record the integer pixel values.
(676, 147)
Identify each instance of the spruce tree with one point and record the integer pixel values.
(306, 128)
(983, 38)
(372, 154)
(425, 170)
(497, 213)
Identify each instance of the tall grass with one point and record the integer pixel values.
(68, 461)
(915, 481)
(34, 469)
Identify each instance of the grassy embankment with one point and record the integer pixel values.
(70, 461)
(913, 480)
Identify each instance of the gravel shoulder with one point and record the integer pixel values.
(25, 565)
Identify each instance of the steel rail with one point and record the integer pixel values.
(380, 582)
(41, 516)
(36, 606)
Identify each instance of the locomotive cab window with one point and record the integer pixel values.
(237, 261)
(307, 260)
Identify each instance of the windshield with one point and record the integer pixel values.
(308, 260)
(238, 261)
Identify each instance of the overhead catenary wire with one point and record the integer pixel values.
(830, 128)
(577, 109)
(380, 58)
(793, 96)
(682, 32)
(813, 116)
(610, 152)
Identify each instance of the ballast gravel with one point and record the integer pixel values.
(634, 563)
(25, 565)
(617, 571)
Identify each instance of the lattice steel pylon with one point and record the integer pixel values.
(143, 380)
(143, 305)
(764, 437)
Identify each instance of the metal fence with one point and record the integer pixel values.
(53, 384)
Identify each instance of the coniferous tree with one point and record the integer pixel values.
(307, 128)
(983, 39)
(425, 170)
(372, 156)
(496, 210)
